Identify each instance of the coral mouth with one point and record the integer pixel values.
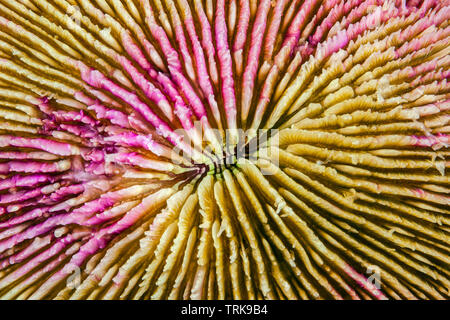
(228, 161)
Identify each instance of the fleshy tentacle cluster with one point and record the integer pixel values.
(127, 163)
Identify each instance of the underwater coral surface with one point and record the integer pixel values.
(224, 149)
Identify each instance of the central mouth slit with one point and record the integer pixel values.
(227, 160)
(246, 148)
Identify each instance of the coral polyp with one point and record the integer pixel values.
(239, 149)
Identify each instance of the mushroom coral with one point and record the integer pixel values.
(239, 149)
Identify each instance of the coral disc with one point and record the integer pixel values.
(239, 149)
